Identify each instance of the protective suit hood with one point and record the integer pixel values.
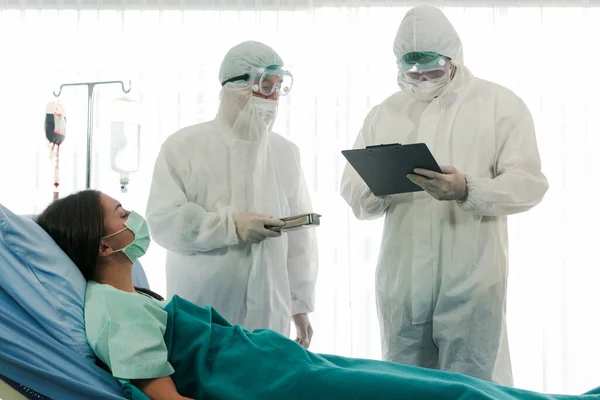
(426, 28)
(241, 115)
(246, 57)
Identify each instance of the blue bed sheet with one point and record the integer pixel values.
(31, 357)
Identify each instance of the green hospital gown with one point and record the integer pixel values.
(126, 332)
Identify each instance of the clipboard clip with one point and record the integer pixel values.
(378, 146)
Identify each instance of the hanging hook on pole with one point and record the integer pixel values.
(92, 84)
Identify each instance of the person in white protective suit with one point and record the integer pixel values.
(441, 277)
(215, 189)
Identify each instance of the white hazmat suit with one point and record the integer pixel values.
(233, 164)
(441, 277)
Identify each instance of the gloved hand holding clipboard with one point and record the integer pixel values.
(384, 168)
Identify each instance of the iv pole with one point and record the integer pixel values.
(90, 118)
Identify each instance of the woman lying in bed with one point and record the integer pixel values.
(178, 350)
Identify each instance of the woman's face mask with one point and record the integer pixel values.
(136, 249)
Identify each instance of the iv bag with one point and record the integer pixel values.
(125, 139)
(125, 146)
(55, 123)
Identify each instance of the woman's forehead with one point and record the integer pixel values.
(108, 202)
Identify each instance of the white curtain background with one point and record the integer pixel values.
(343, 65)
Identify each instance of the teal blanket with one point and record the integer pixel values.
(215, 360)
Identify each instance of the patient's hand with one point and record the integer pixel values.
(159, 389)
(304, 331)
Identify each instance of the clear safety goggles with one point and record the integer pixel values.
(268, 81)
(428, 67)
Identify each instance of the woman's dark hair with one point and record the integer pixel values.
(76, 223)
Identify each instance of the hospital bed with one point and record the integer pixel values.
(43, 348)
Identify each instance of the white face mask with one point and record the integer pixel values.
(266, 109)
(427, 90)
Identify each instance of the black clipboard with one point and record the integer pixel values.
(384, 167)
